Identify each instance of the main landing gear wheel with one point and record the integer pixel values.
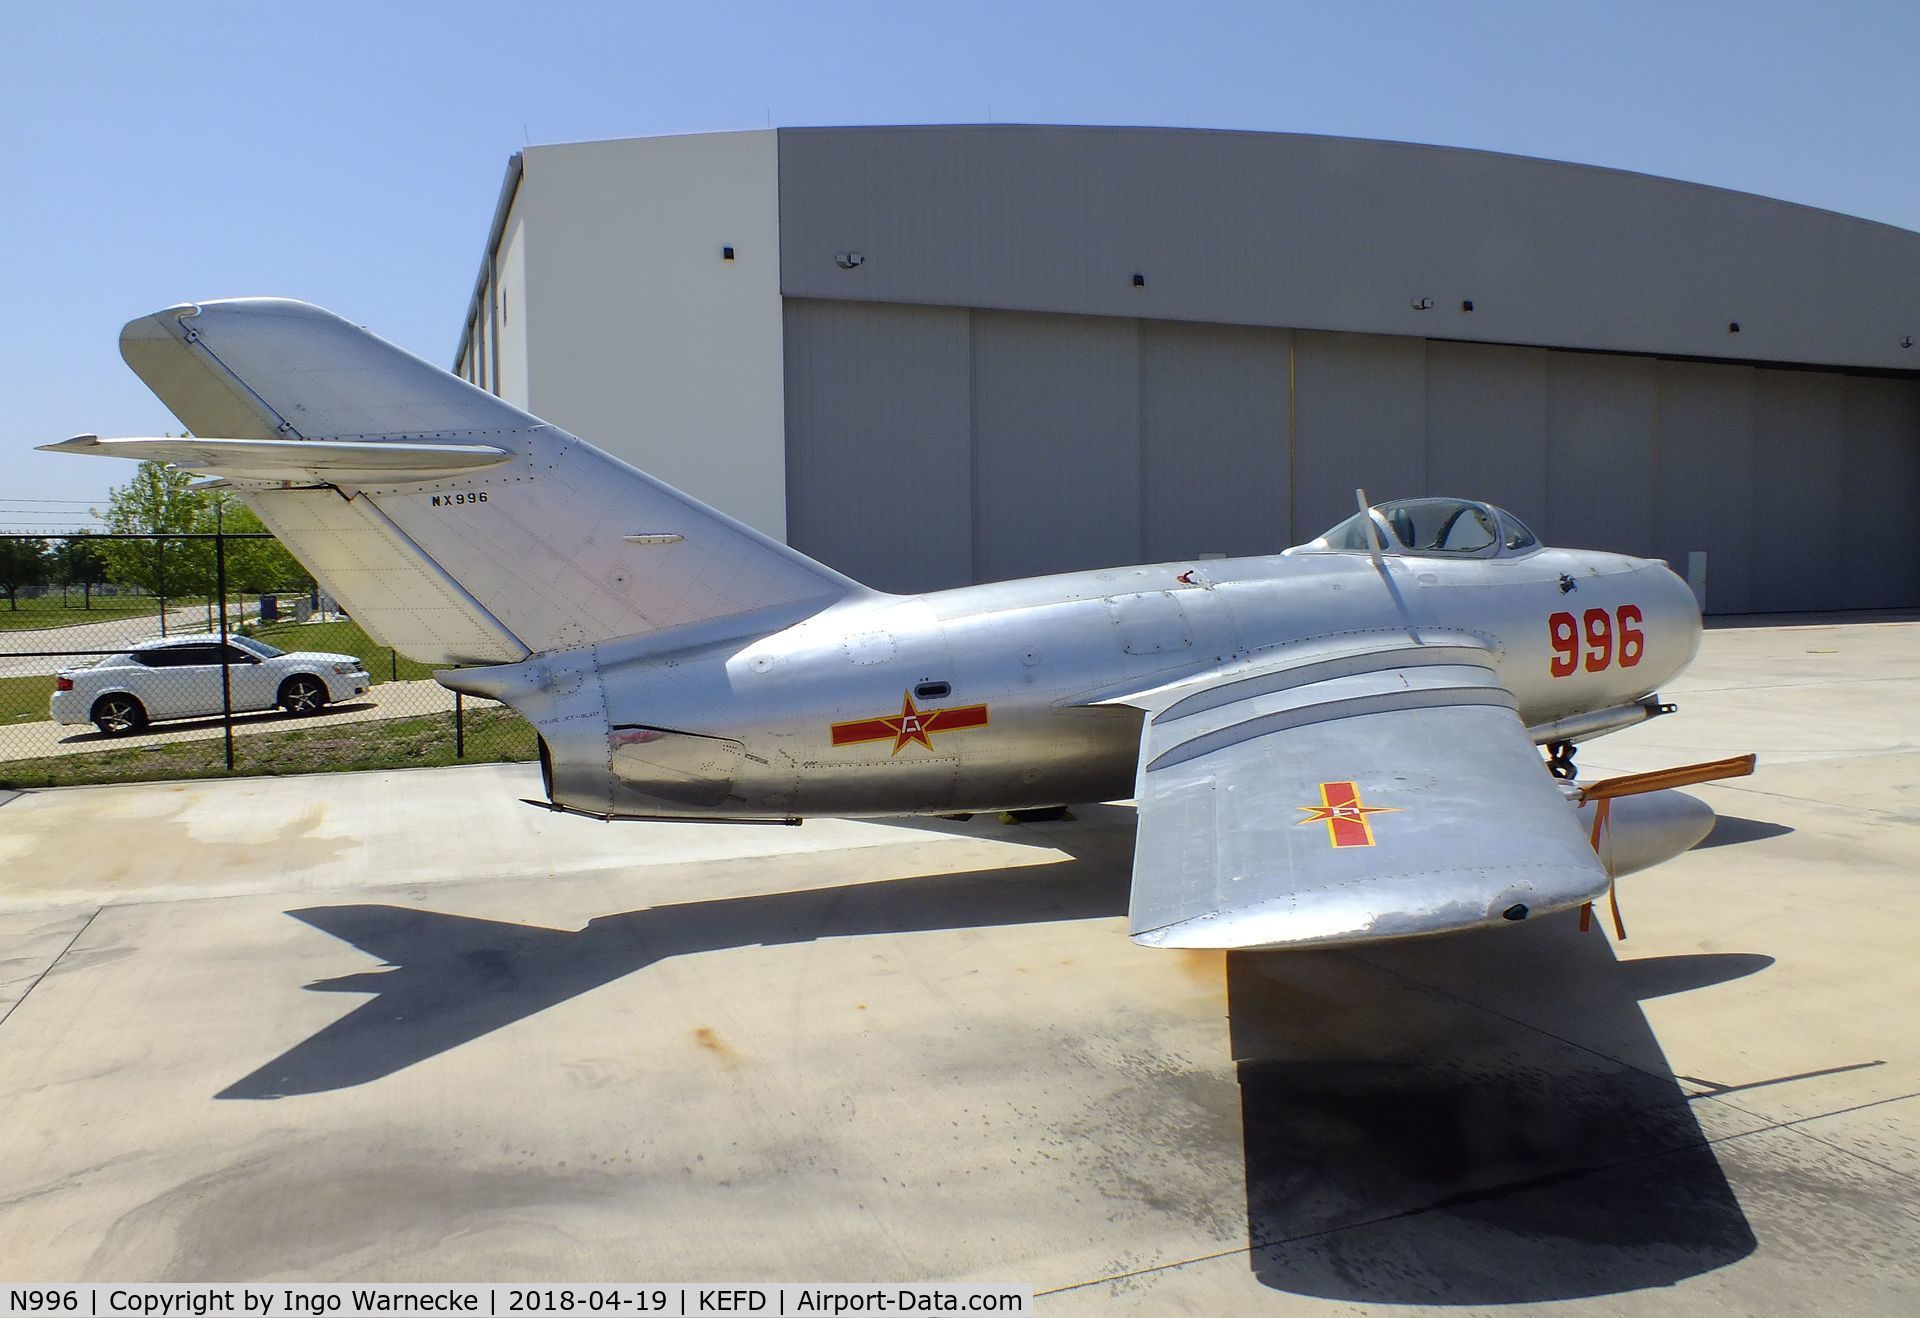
(1560, 760)
(118, 715)
(303, 695)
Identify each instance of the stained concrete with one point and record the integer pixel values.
(399, 1026)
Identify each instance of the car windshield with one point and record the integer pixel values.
(260, 648)
(1453, 527)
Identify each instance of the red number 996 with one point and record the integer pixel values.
(1596, 632)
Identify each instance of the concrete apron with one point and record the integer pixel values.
(398, 1026)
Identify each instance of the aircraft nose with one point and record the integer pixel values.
(1673, 616)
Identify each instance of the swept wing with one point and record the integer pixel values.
(1381, 791)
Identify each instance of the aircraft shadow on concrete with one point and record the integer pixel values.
(451, 979)
(1414, 1129)
(1408, 1140)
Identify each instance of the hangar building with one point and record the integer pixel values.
(936, 355)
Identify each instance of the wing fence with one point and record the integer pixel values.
(135, 657)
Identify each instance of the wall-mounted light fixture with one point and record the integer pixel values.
(1139, 281)
(1423, 304)
(726, 253)
(1733, 327)
(1467, 305)
(848, 260)
(1907, 342)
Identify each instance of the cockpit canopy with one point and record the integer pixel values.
(1451, 528)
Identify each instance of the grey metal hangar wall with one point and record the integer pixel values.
(937, 355)
(1012, 350)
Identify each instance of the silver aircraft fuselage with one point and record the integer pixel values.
(988, 697)
(676, 663)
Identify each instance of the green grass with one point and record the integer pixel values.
(24, 699)
(492, 736)
(48, 611)
(343, 638)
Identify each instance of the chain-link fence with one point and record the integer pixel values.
(136, 657)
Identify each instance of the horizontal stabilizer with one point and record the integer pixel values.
(385, 461)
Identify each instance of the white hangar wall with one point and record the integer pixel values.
(618, 316)
(987, 392)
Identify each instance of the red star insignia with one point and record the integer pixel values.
(1343, 814)
(909, 727)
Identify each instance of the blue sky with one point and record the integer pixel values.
(350, 153)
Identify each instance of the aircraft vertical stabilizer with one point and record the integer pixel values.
(454, 526)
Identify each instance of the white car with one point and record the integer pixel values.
(180, 678)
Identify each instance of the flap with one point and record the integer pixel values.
(1345, 800)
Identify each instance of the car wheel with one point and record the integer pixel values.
(303, 695)
(118, 715)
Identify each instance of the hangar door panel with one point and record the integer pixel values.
(1799, 504)
(1056, 457)
(1883, 495)
(1703, 489)
(1359, 420)
(1213, 440)
(1600, 473)
(1487, 425)
(879, 470)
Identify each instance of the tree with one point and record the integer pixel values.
(157, 501)
(257, 567)
(81, 564)
(23, 565)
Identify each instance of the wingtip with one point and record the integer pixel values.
(1204, 933)
(77, 444)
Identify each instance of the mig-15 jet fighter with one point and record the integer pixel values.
(1329, 745)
